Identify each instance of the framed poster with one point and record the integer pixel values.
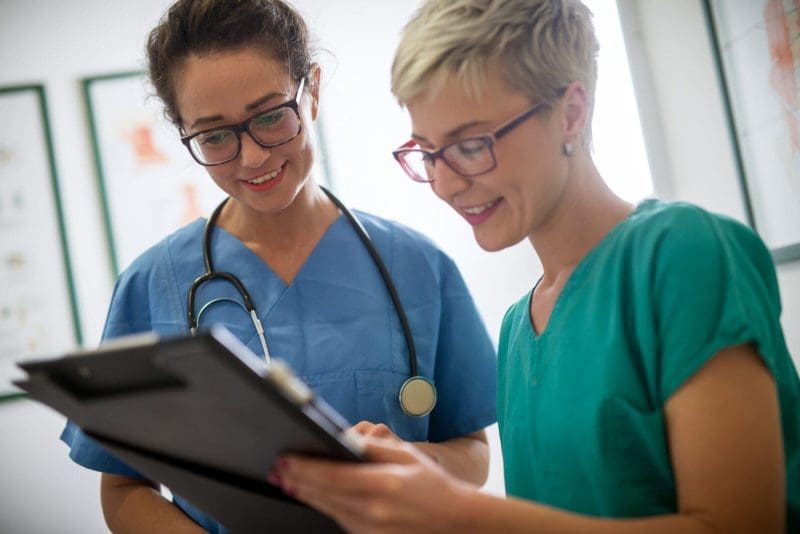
(38, 309)
(757, 44)
(149, 183)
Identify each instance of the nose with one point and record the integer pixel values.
(252, 154)
(446, 182)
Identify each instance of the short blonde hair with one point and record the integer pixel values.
(542, 46)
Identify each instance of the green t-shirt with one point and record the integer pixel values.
(581, 406)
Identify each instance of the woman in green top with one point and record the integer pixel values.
(644, 382)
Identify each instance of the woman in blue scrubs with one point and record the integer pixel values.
(238, 80)
(644, 383)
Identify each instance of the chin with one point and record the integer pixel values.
(494, 243)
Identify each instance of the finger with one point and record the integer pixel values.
(380, 430)
(345, 478)
(363, 427)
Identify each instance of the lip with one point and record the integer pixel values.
(265, 186)
(476, 219)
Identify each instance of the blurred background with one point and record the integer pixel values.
(661, 127)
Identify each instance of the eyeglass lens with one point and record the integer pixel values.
(272, 128)
(468, 157)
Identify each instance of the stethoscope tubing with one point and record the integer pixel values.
(211, 274)
(387, 279)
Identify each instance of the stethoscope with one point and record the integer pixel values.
(417, 395)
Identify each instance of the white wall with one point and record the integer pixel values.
(57, 43)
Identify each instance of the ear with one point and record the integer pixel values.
(576, 113)
(313, 89)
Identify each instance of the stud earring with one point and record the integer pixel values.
(568, 149)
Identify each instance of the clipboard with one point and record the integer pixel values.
(202, 415)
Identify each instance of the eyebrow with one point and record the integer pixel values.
(452, 134)
(249, 107)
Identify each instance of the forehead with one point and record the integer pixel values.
(223, 83)
(445, 103)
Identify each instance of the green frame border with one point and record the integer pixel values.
(91, 115)
(44, 115)
(781, 254)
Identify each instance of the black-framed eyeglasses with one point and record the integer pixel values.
(269, 128)
(471, 156)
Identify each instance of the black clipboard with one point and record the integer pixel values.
(202, 415)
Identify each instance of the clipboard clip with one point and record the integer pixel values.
(281, 375)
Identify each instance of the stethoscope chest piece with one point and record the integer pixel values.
(417, 396)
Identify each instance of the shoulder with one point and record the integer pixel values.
(147, 291)
(414, 259)
(176, 247)
(404, 241)
(404, 236)
(681, 224)
(686, 249)
(679, 234)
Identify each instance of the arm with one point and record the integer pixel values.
(724, 434)
(134, 505)
(465, 457)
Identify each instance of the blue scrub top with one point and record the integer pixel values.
(335, 325)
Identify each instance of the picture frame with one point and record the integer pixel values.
(759, 72)
(38, 305)
(149, 184)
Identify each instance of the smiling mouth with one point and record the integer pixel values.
(266, 177)
(477, 210)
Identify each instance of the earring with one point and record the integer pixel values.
(568, 149)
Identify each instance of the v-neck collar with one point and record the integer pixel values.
(264, 285)
(576, 276)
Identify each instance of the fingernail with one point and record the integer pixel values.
(274, 478)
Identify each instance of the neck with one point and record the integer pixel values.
(581, 218)
(303, 221)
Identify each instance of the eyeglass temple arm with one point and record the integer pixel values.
(409, 144)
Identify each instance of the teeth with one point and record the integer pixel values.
(477, 210)
(265, 178)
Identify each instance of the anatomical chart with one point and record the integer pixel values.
(37, 306)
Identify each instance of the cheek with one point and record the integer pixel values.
(221, 173)
(305, 153)
(435, 188)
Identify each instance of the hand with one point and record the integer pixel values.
(399, 490)
(368, 429)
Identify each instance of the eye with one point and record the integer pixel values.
(269, 119)
(215, 137)
(471, 147)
